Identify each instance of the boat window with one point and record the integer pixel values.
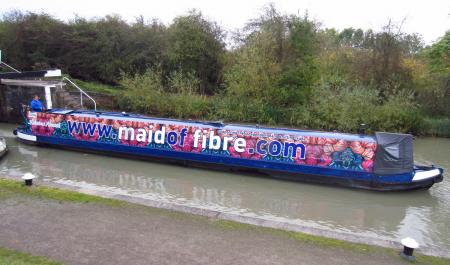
(393, 151)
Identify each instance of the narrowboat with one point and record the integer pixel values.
(382, 162)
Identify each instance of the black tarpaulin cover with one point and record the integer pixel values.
(394, 153)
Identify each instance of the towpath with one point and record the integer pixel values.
(97, 233)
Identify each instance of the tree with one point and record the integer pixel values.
(195, 45)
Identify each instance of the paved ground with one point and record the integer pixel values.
(92, 233)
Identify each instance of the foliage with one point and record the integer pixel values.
(196, 47)
(279, 69)
(147, 94)
(274, 69)
(346, 108)
(434, 95)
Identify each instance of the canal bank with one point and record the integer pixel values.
(378, 217)
(84, 229)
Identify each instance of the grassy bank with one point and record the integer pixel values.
(94, 87)
(14, 188)
(12, 257)
(333, 243)
(10, 188)
(439, 127)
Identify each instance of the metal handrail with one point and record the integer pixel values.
(81, 93)
(14, 69)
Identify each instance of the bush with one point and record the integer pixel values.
(437, 127)
(179, 99)
(346, 108)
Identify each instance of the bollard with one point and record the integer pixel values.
(28, 177)
(409, 245)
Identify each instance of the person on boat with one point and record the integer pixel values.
(36, 104)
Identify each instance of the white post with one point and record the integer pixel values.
(48, 97)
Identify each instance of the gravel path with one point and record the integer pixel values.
(76, 233)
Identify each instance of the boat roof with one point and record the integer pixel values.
(214, 124)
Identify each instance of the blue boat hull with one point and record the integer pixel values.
(327, 176)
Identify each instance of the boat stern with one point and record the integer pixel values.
(427, 174)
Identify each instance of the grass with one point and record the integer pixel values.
(437, 127)
(12, 257)
(12, 187)
(94, 87)
(302, 237)
(330, 242)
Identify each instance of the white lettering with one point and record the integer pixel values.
(239, 145)
(214, 141)
(141, 135)
(127, 132)
(226, 139)
(160, 135)
(196, 136)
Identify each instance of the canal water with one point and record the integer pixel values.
(423, 215)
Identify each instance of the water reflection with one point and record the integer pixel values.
(422, 215)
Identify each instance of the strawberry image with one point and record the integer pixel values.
(324, 160)
(312, 161)
(59, 118)
(123, 141)
(128, 124)
(299, 161)
(257, 157)
(357, 147)
(340, 146)
(199, 148)
(368, 154)
(233, 152)
(187, 147)
(328, 149)
(372, 146)
(331, 140)
(116, 124)
(321, 141)
(85, 137)
(133, 142)
(367, 165)
(42, 130)
(176, 148)
(250, 143)
(246, 154)
(94, 137)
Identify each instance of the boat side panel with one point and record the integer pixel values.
(205, 158)
(248, 145)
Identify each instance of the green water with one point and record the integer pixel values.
(423, 215)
